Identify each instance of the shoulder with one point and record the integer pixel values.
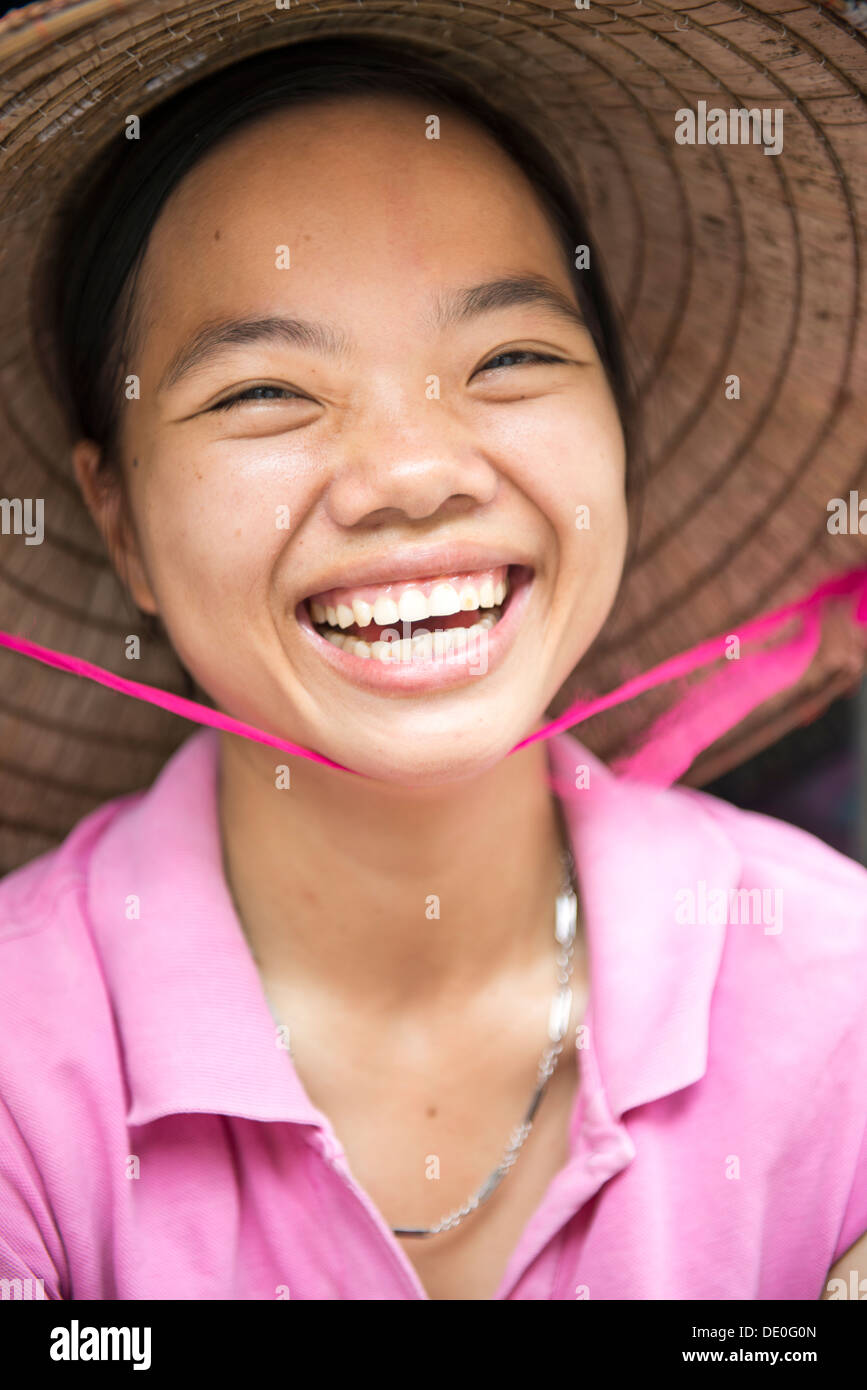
(815, 874)
(60, 1071)
(795, 917)
(791, 991)
(47, 892)
(53, 995)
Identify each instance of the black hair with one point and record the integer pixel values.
(88, 289)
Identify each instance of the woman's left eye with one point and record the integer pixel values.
(525, 353)
(247, 395)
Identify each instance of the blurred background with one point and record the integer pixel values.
(815, 777)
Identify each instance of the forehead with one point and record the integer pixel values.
(365, 208)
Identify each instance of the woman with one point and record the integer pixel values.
(358, 435)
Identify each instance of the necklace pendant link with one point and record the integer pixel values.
(566, 918)
(559, 1014)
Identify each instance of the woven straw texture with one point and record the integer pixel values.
(722, 259)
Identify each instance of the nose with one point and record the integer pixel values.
(408, 459)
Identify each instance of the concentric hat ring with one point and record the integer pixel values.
(726, 262)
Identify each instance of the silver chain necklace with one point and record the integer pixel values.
(565, 922)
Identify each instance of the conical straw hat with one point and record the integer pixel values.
(738, 275)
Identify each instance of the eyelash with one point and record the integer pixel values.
(243, 396)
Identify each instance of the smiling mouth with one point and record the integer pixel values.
(419, 620)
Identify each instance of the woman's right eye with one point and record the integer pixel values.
(247, 395)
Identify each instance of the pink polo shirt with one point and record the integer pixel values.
(156, 1142)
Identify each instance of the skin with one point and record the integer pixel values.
(379, 219)
(852, 1269)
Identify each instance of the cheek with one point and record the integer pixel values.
(568, 458)
(212, 536)
(575, 475)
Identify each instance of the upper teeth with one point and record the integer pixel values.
(412, 605)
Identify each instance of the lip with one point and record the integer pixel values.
(406, 678)
(418, 562)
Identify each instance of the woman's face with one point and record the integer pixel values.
(407, 431)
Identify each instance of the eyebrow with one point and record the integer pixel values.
(451, 307)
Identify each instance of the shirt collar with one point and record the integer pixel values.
(195, 1027)
(636, 846)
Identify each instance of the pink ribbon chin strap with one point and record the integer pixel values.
(702, 716)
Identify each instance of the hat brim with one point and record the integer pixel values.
(725, 262)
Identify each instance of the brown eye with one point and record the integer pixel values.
(525, 353)
(247, 395)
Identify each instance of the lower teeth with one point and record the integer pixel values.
(424, 646)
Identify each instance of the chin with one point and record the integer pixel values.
(413, 753)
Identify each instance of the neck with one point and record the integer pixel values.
(390, 896)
